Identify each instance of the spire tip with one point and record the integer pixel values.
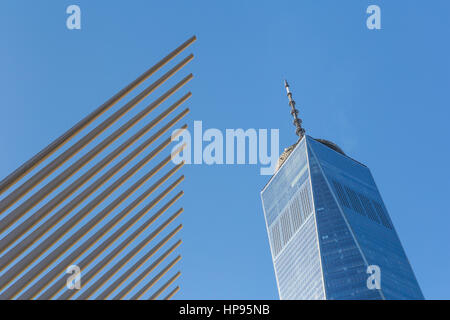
(297, 122)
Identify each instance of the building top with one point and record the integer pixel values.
(289, 150)
(331, 145)
(300, 131)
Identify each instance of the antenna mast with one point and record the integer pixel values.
(297, 122)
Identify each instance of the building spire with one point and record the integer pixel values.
(297, 122)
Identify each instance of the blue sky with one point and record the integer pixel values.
(379, 94)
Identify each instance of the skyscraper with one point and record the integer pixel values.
(329, 231)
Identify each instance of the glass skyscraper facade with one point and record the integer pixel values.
(327, 224)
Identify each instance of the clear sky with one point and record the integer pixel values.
(381, 95)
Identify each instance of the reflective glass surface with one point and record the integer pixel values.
(289, 212)
(359, 201)
(327, 223)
